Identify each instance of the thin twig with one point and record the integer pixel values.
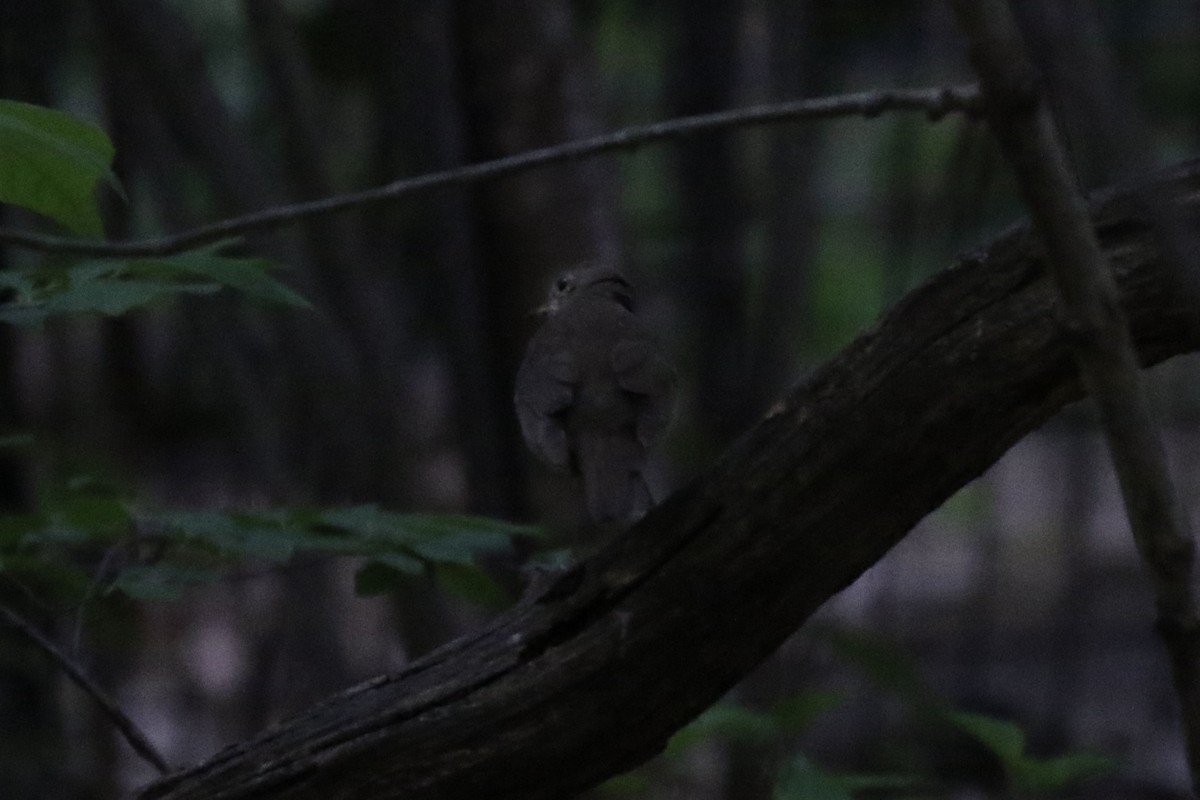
(1100, 339)
(93, 589)
(137, 740)
(936, 102)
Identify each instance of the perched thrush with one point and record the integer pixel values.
(592, 394)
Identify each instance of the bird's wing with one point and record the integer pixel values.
(642, 372)
(545, 390)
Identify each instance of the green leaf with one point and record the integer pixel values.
(379, 577)
(473, 585)
(98, 516)
(161, 581)
(406, 565)
(17, 441)
(1002, 737)
(246, 275)
(803, 780)
(440, 538)
(95, 287)
(800, 779)
(50, 162)
(99, 287)
(374, 579)
(1057, 774)
(886, 666)
(14, 528)
(632, 784)
(730, 722)
(797, 712)
(114, 287)
(45, 577)
(372, 521)
(238, 534)
(462, 547)
(1029, 773)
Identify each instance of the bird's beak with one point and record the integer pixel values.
(548, 307)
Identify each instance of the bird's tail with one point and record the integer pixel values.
(614, 487)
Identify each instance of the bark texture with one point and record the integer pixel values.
(590, 676)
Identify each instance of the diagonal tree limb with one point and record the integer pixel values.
(590, 676)
(130, 731)
(936, 102)
(1099, 338)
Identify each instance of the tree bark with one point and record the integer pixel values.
(590, 676)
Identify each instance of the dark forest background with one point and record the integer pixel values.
(755, 253)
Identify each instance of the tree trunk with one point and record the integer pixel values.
(590, 676)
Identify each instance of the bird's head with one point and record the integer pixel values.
(595, 280)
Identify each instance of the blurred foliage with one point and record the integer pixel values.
(110, 288)
(51, 162)
(1028, 774)
(939, 729)
(113, 287)
(937, 720)
(800, 779)
(87, 539)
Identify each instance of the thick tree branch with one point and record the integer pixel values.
(1100, 341)
(936, 102)
(591, 676)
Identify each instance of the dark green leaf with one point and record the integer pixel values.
(1029, 773)
(367, 521)
(886, 666)
(228, 532)
(50, 162)
(442, 538)
(460, 548)
(401, 563)
(23, 316)
(802, 780)
(114, 296)
(246, 275)
(17, 441)
(883, 782)
(386, 572)
(1002, 737)
(472, 584)
(631, 784)
(14, 528)
(98, 516)
(92, 287)
(377, 578)
(728, 721)
(797, 712)
(1057, 774)
(45, 577)
(162, 581)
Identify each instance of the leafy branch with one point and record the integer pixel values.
(165, 551)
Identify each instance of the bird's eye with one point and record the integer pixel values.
(562, 284)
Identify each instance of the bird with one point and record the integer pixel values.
(593, 394)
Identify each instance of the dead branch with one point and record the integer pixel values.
(590, 677)
(936, 102)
